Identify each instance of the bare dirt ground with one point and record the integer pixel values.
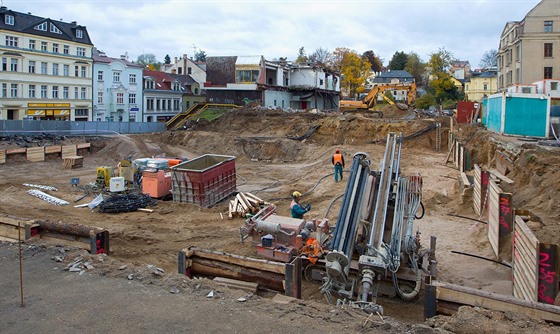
(271, 166)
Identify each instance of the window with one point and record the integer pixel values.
(132, 98)
(321, 82)
(65, 92)
(55, 29)
(54, 69)
(83, 72)
(66, 49)
(31, 91)
(99, 75)
(548, 49)
(11, 41)
(43, 67)
(13, 90)
(81, 112)
(9, 20)
(32, 44)
(13, 65)
(176, 86)
(189, 70)
(55, 47)
(4, 90)
(43, 91)
(55, 92)
(518, 53)
(4, 64)
(149, 84)
(548, 73)
(132, 78)
(31, 66)
(81, 52)
(83, 93)
(176, 104)
(120, 98)
(116, 76)
(554, 85)
(246, 75)
(66, 70)
(44, 46)
(76, 70)
(42, 26)
(75, 93)
(79, 33)
(100, 97)
(485, 86)
(526, 90)
(548, 26)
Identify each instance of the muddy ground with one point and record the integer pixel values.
(271, 166)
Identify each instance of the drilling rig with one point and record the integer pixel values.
(375, 227)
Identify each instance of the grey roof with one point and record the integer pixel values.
(26, 23)
(100, 57)
(387, 76)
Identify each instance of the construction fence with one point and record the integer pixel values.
(29, 127)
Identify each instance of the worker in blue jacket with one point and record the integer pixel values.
(297, 209)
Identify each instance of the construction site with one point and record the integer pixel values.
(435, 224)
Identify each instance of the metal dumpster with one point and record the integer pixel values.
(205, 180)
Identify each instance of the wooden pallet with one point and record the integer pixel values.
(72, 162)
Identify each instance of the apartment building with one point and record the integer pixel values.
(529, 50)
(117, 89)
(481, 84)
(46, 68)
(162, 96)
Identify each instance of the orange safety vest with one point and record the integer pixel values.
(337, 159)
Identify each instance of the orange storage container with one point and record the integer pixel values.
(156, 184)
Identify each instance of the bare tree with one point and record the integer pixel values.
(320, 56)
(489, 59)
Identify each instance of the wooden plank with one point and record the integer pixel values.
(237, 284)
(275, 267)
(2, 157)
(257, 199)
(36, 154)
(16, 150)
(478, 298)
(69, 151)
(83, 145)
(53, 149)
(527, 288)
(465, 180)
(501, 176)
(526, 231)
(145, 210)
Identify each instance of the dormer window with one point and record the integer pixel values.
(55, 29)
(42, 26)
(9, 20)
(79, 33)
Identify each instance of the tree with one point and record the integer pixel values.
(354, 71)
(320, 56)
(416, 67)
(302, 57)
(440, 82)
(147, 59)
(167, 60)
(335, 62)
(374, 60)
(489, 59)
(398, 61)
(200, 56)
(425, 101)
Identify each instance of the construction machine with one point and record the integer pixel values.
(375, 229)
(369, 102)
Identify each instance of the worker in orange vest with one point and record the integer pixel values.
(338, 162)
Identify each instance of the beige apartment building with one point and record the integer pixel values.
(45, 68)
(530, 49)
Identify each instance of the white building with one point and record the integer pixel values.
(117, 87)
(46, 68)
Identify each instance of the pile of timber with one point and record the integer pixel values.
(244, 203)
(73, 162)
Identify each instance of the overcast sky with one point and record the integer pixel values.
(466, 28)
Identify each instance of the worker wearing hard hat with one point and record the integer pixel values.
(297, 209)
(338, 162)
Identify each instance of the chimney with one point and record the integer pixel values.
(74, 23)
(124, 57)
(185, 64)
(175, 60)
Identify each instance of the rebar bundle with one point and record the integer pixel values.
(47, 198)
(125, 203)
(40, 186)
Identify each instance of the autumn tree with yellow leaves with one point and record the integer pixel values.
(354, 71)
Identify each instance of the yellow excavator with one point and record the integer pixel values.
(369, 102)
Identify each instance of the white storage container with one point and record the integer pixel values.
(116, 184)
